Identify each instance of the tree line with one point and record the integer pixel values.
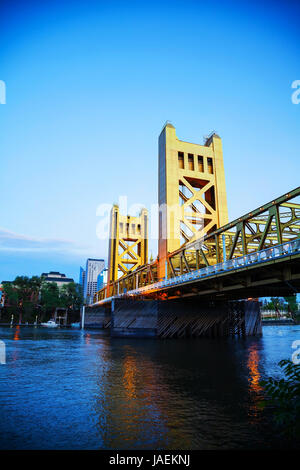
(286, 304)
(27, 298)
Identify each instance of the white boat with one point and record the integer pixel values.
(50, 324)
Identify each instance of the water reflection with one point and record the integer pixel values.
(160, 389)
(254, 378)
(17, 333)
(127, 396)
(129, 375)
(254, 374)
(134, 394)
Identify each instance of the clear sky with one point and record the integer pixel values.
(89, 86)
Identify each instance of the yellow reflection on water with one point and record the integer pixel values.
(254, 380)
(130, 372)
(17, 333)
(254, 374)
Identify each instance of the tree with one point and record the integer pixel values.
(11, 300)
(292, 305)
(26, 296)
(50, 297)
(21, 295)
(71, 296)
(68, 296)
(284, 398)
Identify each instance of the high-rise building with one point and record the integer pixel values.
(93, 268)
(105, 276)
(81, 277)
(102, 279)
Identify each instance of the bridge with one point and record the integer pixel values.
(271, 272)
(207, 269)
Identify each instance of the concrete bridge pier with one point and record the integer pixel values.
(97, 317)
(184, 318)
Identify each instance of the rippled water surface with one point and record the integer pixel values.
(72, 389)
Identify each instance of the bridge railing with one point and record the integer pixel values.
(271, 224)
(243, 241)
(269, 254)
(263, 256)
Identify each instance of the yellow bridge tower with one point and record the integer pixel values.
(128, 243)
(192, 193)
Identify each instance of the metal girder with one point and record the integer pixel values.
(272, 224)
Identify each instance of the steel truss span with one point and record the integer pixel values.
(266, 240)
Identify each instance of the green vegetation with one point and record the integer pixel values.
(293, 307)
(275, 304)
(283, 399)
(22, 297)
(283, 304)
(27, 298)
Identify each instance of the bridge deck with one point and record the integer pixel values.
(273, 271)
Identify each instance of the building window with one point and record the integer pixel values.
(181, 160)
(210, 165)
(200, 164)
(191, 161)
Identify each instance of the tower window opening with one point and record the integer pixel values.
(200, 164)
(210, 165)
(191, 161)
(181, 160)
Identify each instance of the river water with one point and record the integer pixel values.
(73, 389)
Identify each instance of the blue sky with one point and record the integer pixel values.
(89, 86)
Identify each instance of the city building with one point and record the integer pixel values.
(100, 283)
(58, 278)
(93, 268)
(82, 277)
(102, 279)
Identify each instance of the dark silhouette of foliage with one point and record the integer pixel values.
(71, 296)
(22, 295)
(283, 397)
(30, 297)
(292, 306)
(49, 298)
